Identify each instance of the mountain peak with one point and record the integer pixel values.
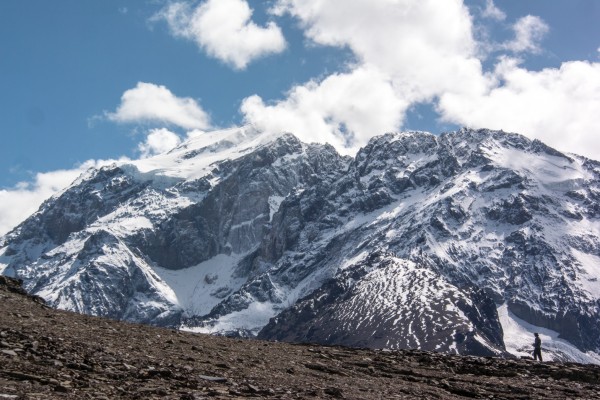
(488, 236)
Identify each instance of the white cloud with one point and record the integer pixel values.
(414, 51)
(407, 51)
(224, 29)
(344, 110)
(158, 141)
(26, 197)
(493, 12)
(425, 51)
(425, 46)
(148, 102)
(558, 106)
(529, 31)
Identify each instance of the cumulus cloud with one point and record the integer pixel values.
(224, 30)
(158, 141)
(493, 12)
(406, 52)
(415, 51)
(557, 106)
(425, 46)
(425, 51)
(25, 198)
(148, 102)
(345, 109)
(529, 31)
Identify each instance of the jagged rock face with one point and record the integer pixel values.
(85, 202)
(104, 277)
(413, 243)
(93, 248)
(232, 216)
(401, 306)
(485, 212)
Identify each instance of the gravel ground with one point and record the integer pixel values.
(51, 354)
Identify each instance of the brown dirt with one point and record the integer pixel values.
(51, 354)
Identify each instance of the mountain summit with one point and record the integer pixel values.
(465, 242)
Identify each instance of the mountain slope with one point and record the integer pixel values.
(413, 243)
(100, 246)
(490, 211)
(53, 354)
(393, 304)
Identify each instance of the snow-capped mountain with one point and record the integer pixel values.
(464, 242)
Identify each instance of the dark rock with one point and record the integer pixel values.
(333, 391)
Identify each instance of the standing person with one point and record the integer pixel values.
(537, 347)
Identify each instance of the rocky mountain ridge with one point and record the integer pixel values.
(462, 242)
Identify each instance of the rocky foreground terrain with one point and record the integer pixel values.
(52, 354)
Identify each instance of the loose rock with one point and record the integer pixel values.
(60, 355)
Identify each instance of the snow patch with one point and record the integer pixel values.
(518, 340)
(552, 171)
(3, 261)
(589, 279)
(253, 319)
(354, 260)
(197, 156)
(127, 226)
(201, 287)
(274, 203)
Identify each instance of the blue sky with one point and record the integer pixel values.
(85, 81)
(64, 63)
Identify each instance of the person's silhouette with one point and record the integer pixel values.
(537, 347)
